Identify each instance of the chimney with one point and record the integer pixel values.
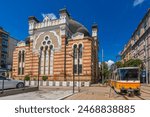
(64, 13)
(94, 31)
(32, 21)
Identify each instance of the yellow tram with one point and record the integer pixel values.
(126, 80)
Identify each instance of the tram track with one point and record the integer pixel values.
(145, 92)
(125, 97)
(140, 98)
(128, 97)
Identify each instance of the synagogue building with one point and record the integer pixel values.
(60, 48)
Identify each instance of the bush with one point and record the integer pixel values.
(27, 78)
(44, 78)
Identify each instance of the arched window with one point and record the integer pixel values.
(19, 63)
(51, 60)
(19, 56)
(80, 50)
(80, 58)
(23, 57)
(75, 51)
(21, 60)
(46, 65)
(77, 55)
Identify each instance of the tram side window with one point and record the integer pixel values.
(116, 76)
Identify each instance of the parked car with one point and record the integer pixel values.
(10, 83)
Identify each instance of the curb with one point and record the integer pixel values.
(18, 91)
(63, 98)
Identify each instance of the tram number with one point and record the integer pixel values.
(106, 109)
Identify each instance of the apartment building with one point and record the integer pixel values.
(139, 45)
(7, 46)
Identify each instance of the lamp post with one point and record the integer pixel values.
(73, 70)
(102, 66)
(39, 53)
(78, 70)
(12, 75)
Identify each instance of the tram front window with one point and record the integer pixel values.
(129, 74)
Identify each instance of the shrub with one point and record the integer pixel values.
(27, 78)
(44, 78)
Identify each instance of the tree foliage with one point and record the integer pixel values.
(130, 63)
(119, 64)
(133, 63)
(105, 71)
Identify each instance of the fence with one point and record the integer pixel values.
(58, 83)
(6, 84)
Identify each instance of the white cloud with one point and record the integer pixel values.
(138, 2)
(109, 63)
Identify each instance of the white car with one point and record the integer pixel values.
(10, 83)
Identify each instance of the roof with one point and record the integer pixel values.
(77, 27)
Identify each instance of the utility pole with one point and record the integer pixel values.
(102, 66)
(147, 65)
(78, 70)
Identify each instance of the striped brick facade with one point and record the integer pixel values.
(62, 66)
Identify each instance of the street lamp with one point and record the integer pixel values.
(78, 69)
(39, 53)
(102, 66)
(73, 69)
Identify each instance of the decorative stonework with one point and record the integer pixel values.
(55, 39)
(63, 30)
(46, 24)
(78, 36)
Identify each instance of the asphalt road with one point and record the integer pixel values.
(45, 93)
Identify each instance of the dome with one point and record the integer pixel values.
(84, 31)
(77, 27)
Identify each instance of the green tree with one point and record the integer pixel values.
(134, 63)
(105, 70)
(119, 64)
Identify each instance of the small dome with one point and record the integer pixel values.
(84, 31)
(74, 25)
(77, 27)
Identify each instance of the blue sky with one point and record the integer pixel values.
(117, 19)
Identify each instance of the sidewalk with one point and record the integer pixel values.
(94, 93)
(45, 93)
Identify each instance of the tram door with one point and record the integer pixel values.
(143, 76)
